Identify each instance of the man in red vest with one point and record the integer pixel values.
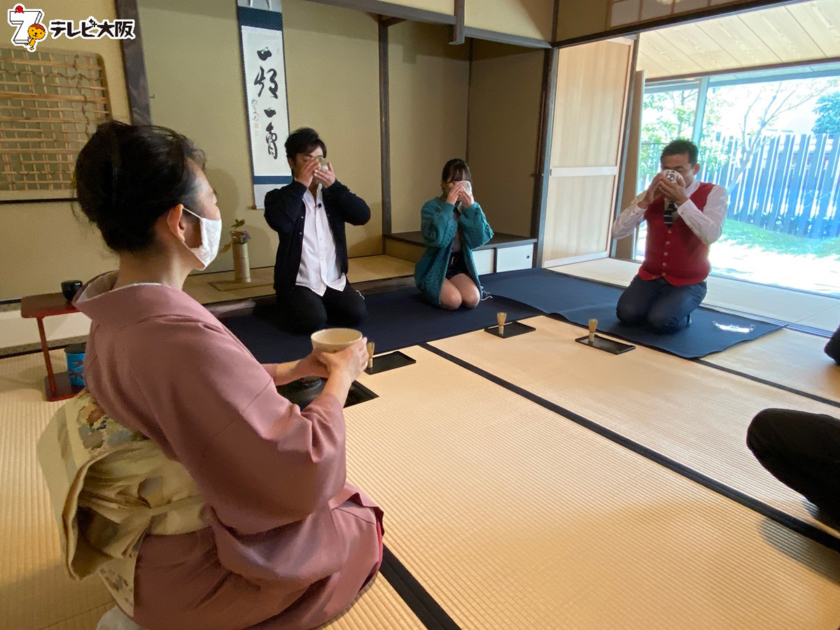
(683, 217)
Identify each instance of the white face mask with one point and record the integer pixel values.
(211, 237)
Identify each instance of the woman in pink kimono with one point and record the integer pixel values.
(289, 542)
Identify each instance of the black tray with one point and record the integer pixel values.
(512, 329)
(359, 394)
(607, 345)
(390, 361)
(302, 395)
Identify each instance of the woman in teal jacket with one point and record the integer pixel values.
(453, 225)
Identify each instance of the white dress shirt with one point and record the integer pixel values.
(707, 224)
(318, 260)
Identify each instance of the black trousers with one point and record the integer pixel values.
(301, 310)
(802, 450)
(832, 348)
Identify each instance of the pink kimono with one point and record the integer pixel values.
(290, 543)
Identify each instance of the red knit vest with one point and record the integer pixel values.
(675, 253)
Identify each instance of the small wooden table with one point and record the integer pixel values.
(56, 386)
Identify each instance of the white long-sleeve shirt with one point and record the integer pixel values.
(707, 224)
(318, 259)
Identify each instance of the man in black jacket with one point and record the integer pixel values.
(310, 273)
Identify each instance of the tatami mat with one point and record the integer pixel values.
(84, 621)
(379, 608)
(512, 517)
(34, 589)
(686, 411)
(828, 319)
(609, 270)
(807, 309)
(509, 515)
(789, 358)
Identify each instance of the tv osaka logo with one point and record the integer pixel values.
(30, 29)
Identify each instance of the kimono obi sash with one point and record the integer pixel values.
(109, 487)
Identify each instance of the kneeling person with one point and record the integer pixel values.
(684, 217)
(453, 225)
(310, 273)
(802, 450)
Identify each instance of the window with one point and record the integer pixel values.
(773, 141)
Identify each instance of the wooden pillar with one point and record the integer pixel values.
(134, 65)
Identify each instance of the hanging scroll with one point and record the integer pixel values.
(263, 59)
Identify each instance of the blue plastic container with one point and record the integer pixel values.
(75, 364)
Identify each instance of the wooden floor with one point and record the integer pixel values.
(530, 483)
(205, 287)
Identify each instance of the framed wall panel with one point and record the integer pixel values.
(593, 84)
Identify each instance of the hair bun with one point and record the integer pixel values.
(127, 176)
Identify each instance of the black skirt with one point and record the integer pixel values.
(457, 264)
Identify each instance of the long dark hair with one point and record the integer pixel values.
(128, 176)
(456, 168)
